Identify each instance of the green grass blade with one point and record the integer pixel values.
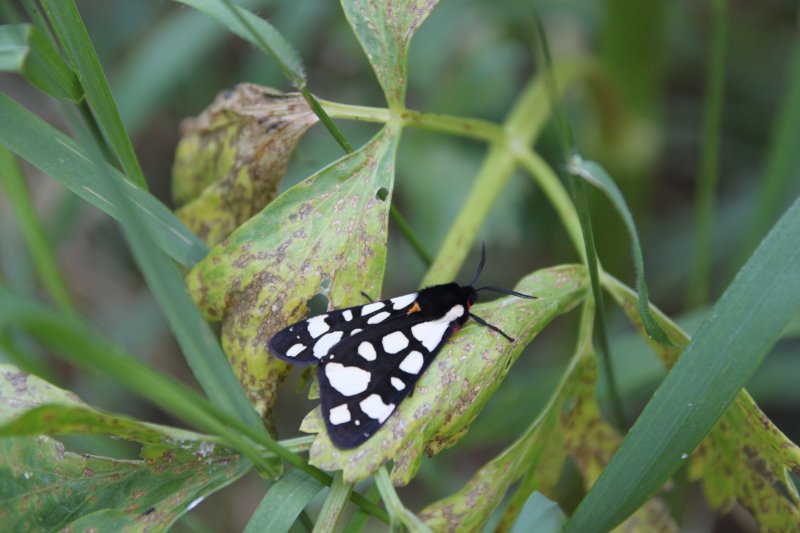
(283, 503)
(708, 175)
(742, 327)
(25, 50)
(57, 155)
(265, 36)
(39, 246)
(68, 26)
(597, 176)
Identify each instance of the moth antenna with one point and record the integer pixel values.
(480, 265)
(482, 322)
(505, 291)
(367, 296)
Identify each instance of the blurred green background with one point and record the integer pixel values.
(642, 118)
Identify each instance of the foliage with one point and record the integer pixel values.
(256, 237)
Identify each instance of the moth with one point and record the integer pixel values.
(371, 356)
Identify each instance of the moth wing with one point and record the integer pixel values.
(308, 341)
(367, 377)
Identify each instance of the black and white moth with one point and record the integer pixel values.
(371, 356)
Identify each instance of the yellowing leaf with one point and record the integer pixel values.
(384, 30)
(325, 235)
(455, 388)
(233, 155)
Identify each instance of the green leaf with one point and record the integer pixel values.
(259, 32)
(325, 235)
(456, 387)
(232, 157)
(55, 154)
(745, 458)
(597, 176)
(385, 31)
(25, 50)
(731, 343)
(284, 502)
(48, 488)
(68, 26)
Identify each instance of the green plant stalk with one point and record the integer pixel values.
(334, 505)
(482, 130)
(523, 124)
(397, 511)
(708, 175)
(38, 244)
(71, 32)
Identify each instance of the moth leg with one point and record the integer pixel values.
(367, 296)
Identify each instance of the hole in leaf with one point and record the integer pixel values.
(325, 285)
(382, 193)
(317, 305)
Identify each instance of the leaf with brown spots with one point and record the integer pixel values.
(233, 155)
(384, 29)
(457, 385)
(31, 406)
(570, 426)
(46, 487)
(325, 235)
(744, 458)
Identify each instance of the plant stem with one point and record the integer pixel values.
(397, 511)
(334, 504)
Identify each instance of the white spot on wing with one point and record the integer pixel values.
(317, 326)
(412, 364)
(339, 415)
(357, 330)
(347, 315)
(325, 343)
(295, 349)
(402, 301)
(430, 333)
(367, 351)
(394, 342)
(369, 308)
(348, 380)
(374, 407)
(398, 384)
(380, 317)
